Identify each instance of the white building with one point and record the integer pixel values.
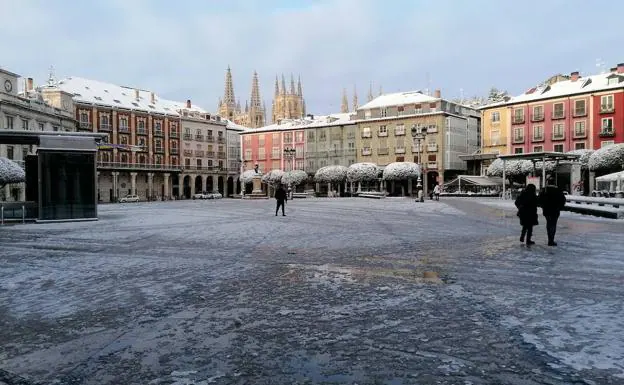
(234, 152)
(30, 110)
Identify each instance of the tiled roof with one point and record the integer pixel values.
(106, 94)
(398, 99)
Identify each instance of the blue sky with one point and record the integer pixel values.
(180, 49)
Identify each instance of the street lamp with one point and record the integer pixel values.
(289, 154)
(241, 168)
(419, 134)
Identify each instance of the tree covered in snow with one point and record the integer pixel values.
(585, 155)
(513, 168)
(247, 176)
(607, 158)
(401, 171)
(294, 177)
(360, 172)
(496, 95)
(273, 177)
(551, 166)
(10, 172)
(331, 174)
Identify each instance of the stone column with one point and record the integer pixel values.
(166, 183)
(7, 193)
(215, 183)
(115, 175)
(318, 187)
(330, 193)
(409, 186)
(150, 185)
(22, 194)
(359, 187)
(133, 176)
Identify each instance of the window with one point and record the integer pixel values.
(275, 153)
(579, 128)
(158, 126)
(261, 153)
(538, 132)
(538, 113)
(288, 137)
(607, 125)
(495, 116)
(24, 124)
(10, 153)
(310, 135)
(247, 140)
(495, 138)
(399, 129)
(248, 154)
(579, 108)
(261, 140)
(104, 123)
(142, 142)
(41, 126)
(383, 131)
(400, 110)
(55, 128)
(198, 162)
(366, 132)
(558, 111)
(558, 131)
(579, 145)
(367, 114)
(351, 146)
(9, 122)
(558, 148)
(299, 152)
(518, 116)
(606, 143)
(383, 112)
(123, 123)
(275, 138)
(538, 149)
(141, 125)
(299, 136)
(518, 150)
(606, 103)
(123, 139)
(518, 134)
(84, 117)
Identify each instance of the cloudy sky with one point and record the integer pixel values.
(180, 49)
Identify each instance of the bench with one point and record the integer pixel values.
(372, 195)
(300, 195)
(601, 207)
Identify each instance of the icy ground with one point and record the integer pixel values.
(224, 292)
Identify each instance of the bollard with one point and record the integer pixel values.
(23, 214)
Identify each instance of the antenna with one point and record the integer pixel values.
(428, 84)
(600, 65)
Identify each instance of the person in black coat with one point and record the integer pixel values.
(527, 212)
(281, 198)
(551, 200)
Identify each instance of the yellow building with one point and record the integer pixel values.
(384, 133)
(495, 128)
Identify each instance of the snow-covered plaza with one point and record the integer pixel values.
(224, 292)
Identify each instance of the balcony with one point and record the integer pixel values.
(416, 149)
(399, 131)
(580, 112)
(187, 137)
(432, 147)
(203, 168)
(558, 136)
(432, 129)
(199, 138)
(173, 151)
(399, 150)
(105, 127)
(366, 151)
(366, 135)
(141, 131)
(557, 115)
(432, 165)
(537, 117)
(173, 134)
(84, 125)
(383, 151)
(335, 152)
(517, 119)
(124, 129)
(351, 135)
(350, 151)
(136, 166)
(382, 133)
(188, 152)
(209, 138)
(607, 133)
(538, 138)
(159, 133)
(336, 137)
(580, 133)
(199, 154)
(220, 139)
(210, 154)
(518, 139)
(159, 150)
(221, 154)
(607, 108)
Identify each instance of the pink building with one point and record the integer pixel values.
(265, 146)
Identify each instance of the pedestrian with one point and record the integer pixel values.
(436, 192)
(552, 200)
(527, 212)
(281, 198)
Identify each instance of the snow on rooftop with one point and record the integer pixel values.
(234, 126)
(582, 85)
(107, 94)
(308, 122)
(398, 99)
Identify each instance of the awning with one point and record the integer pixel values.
(611, 177)
(473, 180)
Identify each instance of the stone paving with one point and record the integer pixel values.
(224, 292)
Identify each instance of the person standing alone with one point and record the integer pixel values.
(280, 198)
(552, 200)
(436, 192)
(527, 212)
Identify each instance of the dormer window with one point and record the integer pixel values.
(613, 80)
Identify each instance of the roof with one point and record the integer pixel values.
(398, 99)
(478, 156)
(476, 180)
(582, 85)
(611, 177)
(307, 122)
(107, 94)
(230, 125)
(537, 156)
(33, 137)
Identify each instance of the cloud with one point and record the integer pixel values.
(181, 49)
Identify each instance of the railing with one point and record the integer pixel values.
(538, 138)
(518, 120)
(558, 136)
(159, 133)
(383, 151)
(518, 139)
(199, 154)
(580, 133)
(220, 139)
(399, 131)
(416, 149)
(432, 129)
(537, 117)
(604, 207)
(606, 108)
(382, 133)
(85, 125)
(188, 152)
(399, 150)
(206, 168)
(221, 154)
(558, 115)
(580, 112)
(173, 151)
(607, 133)
(141, 131)
(366, 152)
(159, 150)
(187, 137)
(432, 165)
(210, 138)
(210, 154)
(350, 151)
(366, 135)
(199, 138)
(105, 127)
(432, 147)
(335, 152)
(136, 166)
(124, 129)
(173, 134)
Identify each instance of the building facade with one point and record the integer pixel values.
(265, 147)
(234, 155)
(567, 113)
(330, 140)
(384, 133)
(46, 109)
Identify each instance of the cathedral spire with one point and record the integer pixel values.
(299, 91)
(355, 99)
(344, 106)
(283, 85)
(255, 92)
(246, 106)
(276, 86)
(380, 90)
(238, 106)
(292, 84)
(228, 95)
(370, 92)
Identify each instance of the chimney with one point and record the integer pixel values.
(136, 94)
(29, 84)
(574, 76)
(437, 94)
(620, 68)
(152, 98)
(188, 103)
(613, 69)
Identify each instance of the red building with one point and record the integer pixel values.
(265, 147)
(572, 114)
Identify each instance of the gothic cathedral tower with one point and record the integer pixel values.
(288, 103)
(229, 108)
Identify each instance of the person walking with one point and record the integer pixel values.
(281, 198)
(527, 212)
(436, 192)
(552, 200)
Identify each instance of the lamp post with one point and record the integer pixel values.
(241, 168)
(289, 154)
(419, 135)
